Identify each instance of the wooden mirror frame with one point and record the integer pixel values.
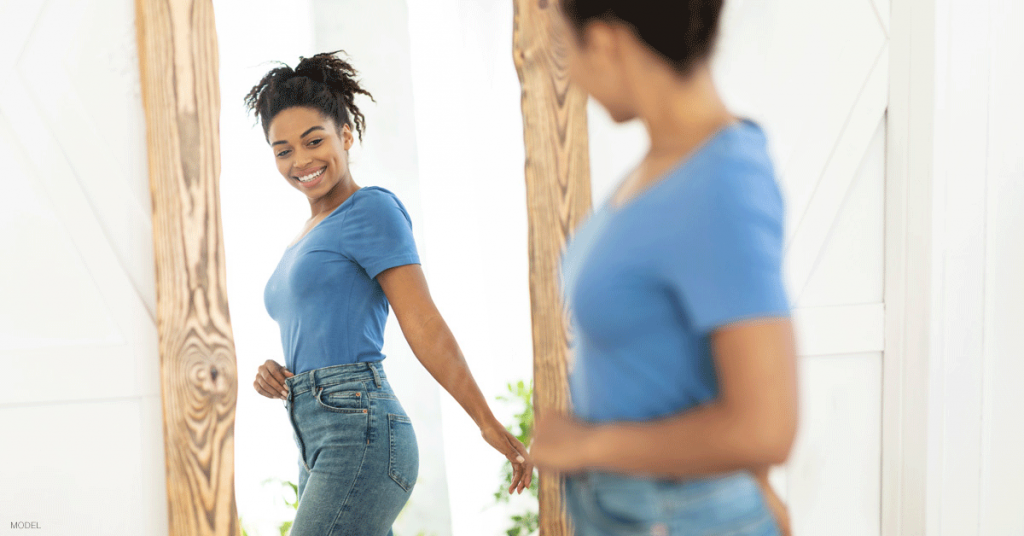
(177, 43)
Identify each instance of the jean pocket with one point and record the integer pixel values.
(403, 459)
(732, 505)
(617, 504)
(341, 398)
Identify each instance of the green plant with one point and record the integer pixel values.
(290, 498)
(520, 395)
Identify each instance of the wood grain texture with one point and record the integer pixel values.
(558, 198)
(178, 62)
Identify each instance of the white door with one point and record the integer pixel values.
(815, 75)
(82, 448)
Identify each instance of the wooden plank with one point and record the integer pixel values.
(558, 198)
(178, 62)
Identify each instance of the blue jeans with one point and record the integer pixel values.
(358, 458)
(605, 504)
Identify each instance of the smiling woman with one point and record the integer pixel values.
(330, 294)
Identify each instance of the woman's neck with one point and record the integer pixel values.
(680, 112)
(333, 198)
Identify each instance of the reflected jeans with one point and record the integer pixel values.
(358, 458)
(605, 504)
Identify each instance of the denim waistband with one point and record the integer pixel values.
(349, 372)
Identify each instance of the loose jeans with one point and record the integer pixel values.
(358, 458)
(605, 504)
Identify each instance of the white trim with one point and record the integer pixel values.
(909, 270)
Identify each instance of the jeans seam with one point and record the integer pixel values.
(391, 452)
(295, 428)
(355, 484)
(743, 527)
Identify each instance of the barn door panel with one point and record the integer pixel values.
(78, 340)
(816, 76)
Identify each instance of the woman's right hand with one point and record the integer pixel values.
(778, 508)
(270, 380)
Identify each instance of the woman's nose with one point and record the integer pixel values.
(302, 161)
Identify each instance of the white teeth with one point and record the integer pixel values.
(311, 176)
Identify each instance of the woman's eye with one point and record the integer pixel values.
(316, 142)
(282, 153)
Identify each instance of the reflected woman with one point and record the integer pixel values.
(684, 383)
(330, 293)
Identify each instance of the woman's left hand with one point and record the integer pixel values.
(504, 442)
(561, 443)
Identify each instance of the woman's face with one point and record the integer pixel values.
(595, 64)
(309, 150)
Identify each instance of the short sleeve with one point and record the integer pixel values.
(377, 233)
(729, 267)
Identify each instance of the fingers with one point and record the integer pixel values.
(517, 476)
(278, 372)
(271, 383)
(264, 391)
(522, 466)
(270, 380)
(529, 476)
(526, 463)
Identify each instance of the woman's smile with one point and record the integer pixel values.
(311, 179)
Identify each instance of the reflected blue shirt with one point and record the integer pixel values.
(323, 293)
(646, 283)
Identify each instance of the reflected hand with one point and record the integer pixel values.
(270, 380)
(561, 443)
(504, 442)
(778, 508)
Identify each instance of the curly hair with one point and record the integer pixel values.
(323, 82)
(681, 31)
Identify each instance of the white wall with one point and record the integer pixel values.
(976, 478)
(81, 437)
(469, 134)
(261, 214)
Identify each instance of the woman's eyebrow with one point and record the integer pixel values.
(302, 136)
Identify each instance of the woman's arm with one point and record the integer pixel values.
(435, 347)
(750, 425)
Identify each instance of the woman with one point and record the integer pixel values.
(330, 295)
(684, 383)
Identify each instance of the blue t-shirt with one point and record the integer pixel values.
(323, 293)
(646, 283)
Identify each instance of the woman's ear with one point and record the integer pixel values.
(346, 136)
(600, 39)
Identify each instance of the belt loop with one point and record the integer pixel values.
(376, 377)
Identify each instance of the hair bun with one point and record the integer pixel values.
(333, 92)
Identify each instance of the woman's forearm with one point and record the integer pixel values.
(751, 424)
(436, 348)
(709, 439)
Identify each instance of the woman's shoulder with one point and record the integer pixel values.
(376, 196)
(377, 202)
(742, 169)
(733, 178)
